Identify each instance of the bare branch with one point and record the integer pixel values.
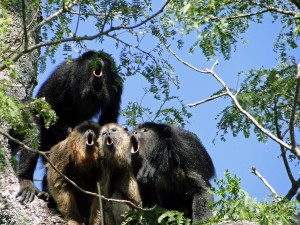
(207, 100)
(237, 104)
(251, 118)
(185, 63)
(255, 172)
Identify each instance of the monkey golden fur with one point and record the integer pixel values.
(78, 157)
(116, 178)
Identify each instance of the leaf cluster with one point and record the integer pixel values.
(220, 25)
(171, 110)
(24, 117)
(268, 95)
(157, 215)
(235, 204)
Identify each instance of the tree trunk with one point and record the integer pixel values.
(12, 211)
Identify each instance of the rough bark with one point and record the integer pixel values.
(12, 211)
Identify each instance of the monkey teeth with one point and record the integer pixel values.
(90, 143)
(90, 140)
(135, 145)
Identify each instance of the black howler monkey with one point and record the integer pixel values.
(172, 168)
(76, 90)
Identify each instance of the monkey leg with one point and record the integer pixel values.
(67, 206)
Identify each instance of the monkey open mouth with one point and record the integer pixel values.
(109, 141)
(98, 72)
(134, 145)
(90, 139)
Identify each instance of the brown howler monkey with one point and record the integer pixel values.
(79, 158)
(116, 178)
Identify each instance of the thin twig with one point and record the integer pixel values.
(100, 203)
(207, 100)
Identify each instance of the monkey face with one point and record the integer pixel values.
(89, 132)
(144, 139)
(115, 142)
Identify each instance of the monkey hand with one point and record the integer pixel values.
(44, 195)
(27, 191)
(146, 173)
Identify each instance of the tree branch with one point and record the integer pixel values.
(294, 110)
(273, 9)
(237, 104)
(255, 172)
(207, 100)
(293, 191)
(53, 16)
(213, 18)
(24, 24)
(282, 149)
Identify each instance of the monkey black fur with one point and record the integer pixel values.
(76, 90)
(78, 157)
(172, 168)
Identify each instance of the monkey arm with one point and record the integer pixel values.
(28, 161)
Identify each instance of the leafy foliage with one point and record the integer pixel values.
(136, 113)
(268, 96)
(157, 215)
(219, 25)
(235, 204)
(22, 116)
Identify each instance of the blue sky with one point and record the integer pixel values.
(238, 154)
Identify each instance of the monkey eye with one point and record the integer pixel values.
(144, 129)
(114, 129)
(104, 133)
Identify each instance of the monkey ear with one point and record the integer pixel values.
(125, 128)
